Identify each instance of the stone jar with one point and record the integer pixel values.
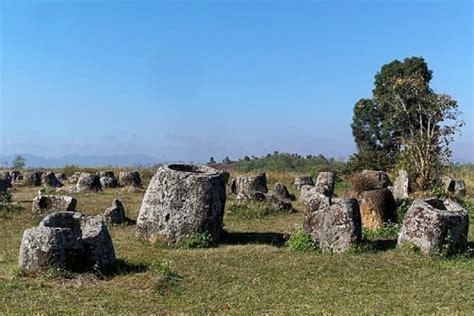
(182, 200)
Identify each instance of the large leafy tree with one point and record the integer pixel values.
(405, 120)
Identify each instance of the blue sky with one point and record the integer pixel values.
(185, 80)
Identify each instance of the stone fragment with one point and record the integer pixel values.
(49, 179)
(45, 204)
(116, 213)
(280, 191)
(303, 180)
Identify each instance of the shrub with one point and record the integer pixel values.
(196, 241)
(402, 207)
(388, 232)
(300, 241)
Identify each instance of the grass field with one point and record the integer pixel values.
(251, 271)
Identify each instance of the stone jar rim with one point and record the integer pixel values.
(191, 169)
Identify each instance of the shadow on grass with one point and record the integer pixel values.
(267, 238)
(122, 267)
(381, 245)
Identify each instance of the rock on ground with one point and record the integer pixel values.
(377, 208)
(325, 183)
(87, 182)
(130, 178)
(182, 200)
(32, 178)
(435, 226)
(303, 180)
(116, 213)
(74, 177)
(280, 191)
(251, 187)
(401, 186)
(107, 179)
(69, 240)
(456, 187)
(7, 178)
(44, 204)
(333, 224)
(49, 179)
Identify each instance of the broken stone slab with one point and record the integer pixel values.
(116, 213)
(435, 225)
(303, 180)
(182, 200)
(69, 240)
(44, 204)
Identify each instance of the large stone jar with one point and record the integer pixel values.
(181, 201)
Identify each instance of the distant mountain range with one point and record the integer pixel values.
(84, 161)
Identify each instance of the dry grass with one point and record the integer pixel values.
(248, 274)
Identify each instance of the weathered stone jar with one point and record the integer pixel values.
(182, 200)
(70, 240)
(435, 225)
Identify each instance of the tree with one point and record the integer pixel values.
(227, 161)
(405, 121)
(246, 158)
(211, 161)
(18, 162)
(426, 122)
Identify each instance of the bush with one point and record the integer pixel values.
(300, 241)
(197, 241)
(402, 207)
(388, 232)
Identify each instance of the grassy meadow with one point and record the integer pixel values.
(252, 271)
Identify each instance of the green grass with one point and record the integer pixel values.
(251, 271)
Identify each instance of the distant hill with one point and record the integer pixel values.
(85, 161)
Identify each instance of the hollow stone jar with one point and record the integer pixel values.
(182, 200)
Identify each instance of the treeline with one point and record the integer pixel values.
(285, 162)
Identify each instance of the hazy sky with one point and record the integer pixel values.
(185, 80)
